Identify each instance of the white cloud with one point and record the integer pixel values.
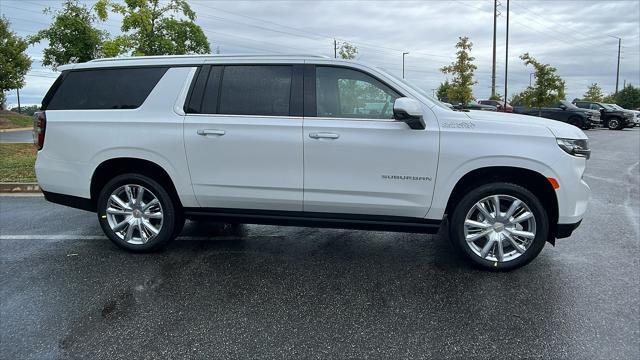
(570, 35)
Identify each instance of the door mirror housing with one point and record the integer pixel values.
(563, 106)
(409, 111)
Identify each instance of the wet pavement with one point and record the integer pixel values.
(286, 292)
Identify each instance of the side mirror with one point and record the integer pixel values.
(563, 106)
(409, 111)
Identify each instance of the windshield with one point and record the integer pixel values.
(609, 106)
(616, 106)
(567, 104)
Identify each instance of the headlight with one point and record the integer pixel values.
(575, 147)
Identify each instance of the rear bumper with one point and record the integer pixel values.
(565, 230)
(69, 200)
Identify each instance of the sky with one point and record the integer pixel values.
(578, 37)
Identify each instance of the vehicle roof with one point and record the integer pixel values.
(173, 60)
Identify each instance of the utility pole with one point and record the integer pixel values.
(506, 59)
(618, 68)
(19, 109)
(403, 54)
(530, 75)
(493, 68)
(335, 49)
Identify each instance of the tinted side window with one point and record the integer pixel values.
(212, 91)
(255, 90)
(105, 88)
(346, 93)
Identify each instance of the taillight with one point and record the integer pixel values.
(39, 127)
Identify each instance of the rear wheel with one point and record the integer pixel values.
(137, 213)
(499, 226)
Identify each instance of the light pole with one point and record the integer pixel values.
(493, 67)
(403, 54)
(530, 74)
(618, 68)
(506, 59)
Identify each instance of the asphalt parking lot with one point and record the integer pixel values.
(22, 136)
(285, 292)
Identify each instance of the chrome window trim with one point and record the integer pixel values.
(241, 115)
(351, 119)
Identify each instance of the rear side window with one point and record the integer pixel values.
(105, 89)
(248, 90)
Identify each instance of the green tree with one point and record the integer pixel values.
(462, 70)
(152, 27)
(496, 96)
(517, 99)
(548, 88)
(629, 97)
(26, 110)
(594, 93)
(72, 37)
(14, 63)
(347, 51)
(443, 91)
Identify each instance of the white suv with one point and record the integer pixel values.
(300, 140)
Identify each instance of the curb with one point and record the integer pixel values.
(16, 129)
(14, 187)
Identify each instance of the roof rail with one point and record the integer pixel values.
(199, 56)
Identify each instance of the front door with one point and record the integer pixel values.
(242, 136)
(357, 158)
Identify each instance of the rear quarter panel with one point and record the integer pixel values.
(78, 141)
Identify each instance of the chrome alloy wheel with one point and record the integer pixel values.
(499, 228)
(134, 214)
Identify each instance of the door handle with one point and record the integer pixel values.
(323, 135)
(205, 132)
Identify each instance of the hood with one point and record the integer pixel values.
(557, 128)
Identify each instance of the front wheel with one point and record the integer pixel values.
(137, 213)
(499, 226)
(614, 124)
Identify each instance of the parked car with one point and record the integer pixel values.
(566, 112)
(474, 105)
(149, 141)
(611, 118)
(635, 114)
(498, 104)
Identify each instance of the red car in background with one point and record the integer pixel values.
(498, 104)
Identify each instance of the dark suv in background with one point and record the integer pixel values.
(498, 104)
(612, 118)
(566, 112)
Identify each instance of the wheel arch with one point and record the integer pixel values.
(110, 168)
(532, 180)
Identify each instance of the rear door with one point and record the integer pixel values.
(243, 136)
(357, 158)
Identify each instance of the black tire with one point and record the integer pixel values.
(172, 217)
(457, 220)
(614, 124)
